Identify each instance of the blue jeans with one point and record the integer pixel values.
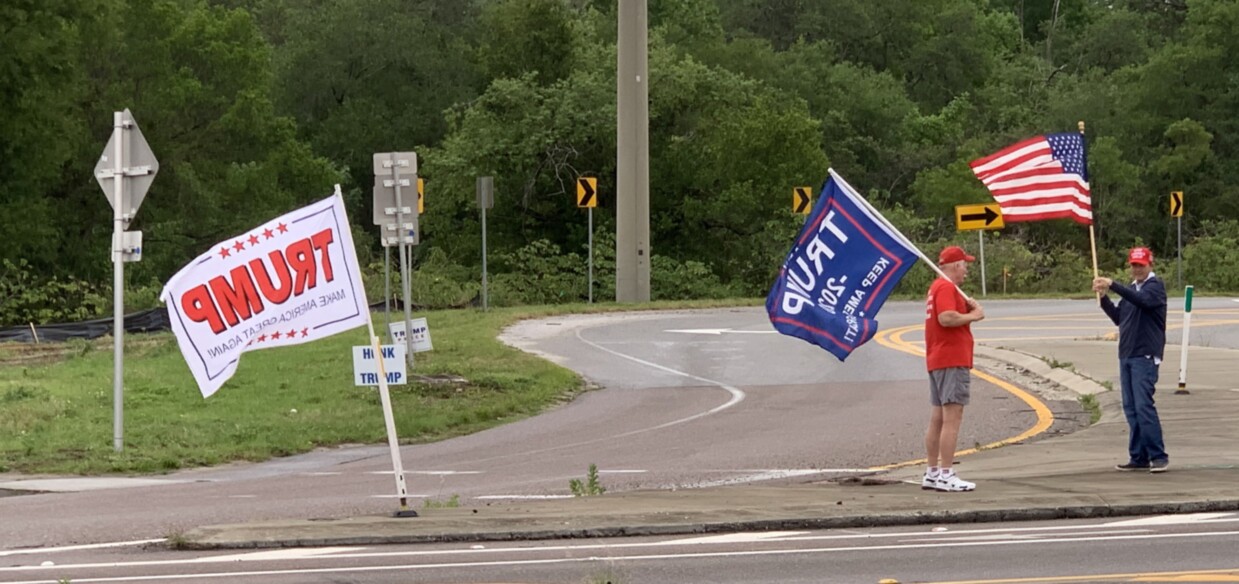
(1138, 376)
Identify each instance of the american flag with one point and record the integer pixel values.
(1045, 177)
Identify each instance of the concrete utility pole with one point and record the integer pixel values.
(632, 201)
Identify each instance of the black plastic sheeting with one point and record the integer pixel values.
(146, 321)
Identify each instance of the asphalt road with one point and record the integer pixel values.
(1182, 548)
(679, 409)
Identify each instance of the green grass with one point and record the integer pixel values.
(56, 399)
(1090, 405)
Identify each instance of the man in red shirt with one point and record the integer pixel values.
(948, 356)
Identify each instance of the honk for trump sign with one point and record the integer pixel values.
(292, 280)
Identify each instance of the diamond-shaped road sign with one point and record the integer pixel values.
(138, 166)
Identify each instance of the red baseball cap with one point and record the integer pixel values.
(953, 254)
(1140, 256)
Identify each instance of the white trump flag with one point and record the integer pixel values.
(292, 280)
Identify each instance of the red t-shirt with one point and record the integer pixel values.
(946, 346)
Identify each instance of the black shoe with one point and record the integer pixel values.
(1159, 466)
(1133, 466)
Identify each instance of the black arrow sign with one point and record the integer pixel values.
(1176, 205)
(588, 191)
(802, 200)
(988, 216)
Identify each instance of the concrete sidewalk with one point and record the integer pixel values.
(1068, 476)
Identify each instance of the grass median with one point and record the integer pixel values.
(56, 398)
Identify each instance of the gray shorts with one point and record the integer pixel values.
(949, 386)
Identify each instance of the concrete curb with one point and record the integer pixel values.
(841, 522)
(1065, 377)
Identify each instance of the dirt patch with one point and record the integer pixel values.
(32, 354)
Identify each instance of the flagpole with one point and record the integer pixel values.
(894, 230)
(1092, 234)
(393, 443)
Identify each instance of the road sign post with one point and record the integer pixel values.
(587, 196)
(1176, 211)
(125, 171)
(393, 171)
(981, 254)
(486, 200)
(980, 217)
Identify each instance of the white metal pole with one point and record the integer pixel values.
(1187, 330)
(118, 284)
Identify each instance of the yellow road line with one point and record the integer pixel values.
(893, 339)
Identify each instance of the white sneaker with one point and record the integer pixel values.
(952, 483)
(929, 482)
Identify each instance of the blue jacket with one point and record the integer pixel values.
(1141, 316)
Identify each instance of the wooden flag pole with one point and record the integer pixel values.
(1092, 235)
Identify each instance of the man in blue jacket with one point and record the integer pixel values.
(1141, 317)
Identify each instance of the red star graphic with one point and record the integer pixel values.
(239, 245)
(282, 227)
(253, 240)
(224, 252)
(305, 332)
(262, 338)
(267, 233)
(291, 334)
(249, 343)
(275, 335)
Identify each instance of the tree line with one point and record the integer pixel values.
(255, 107)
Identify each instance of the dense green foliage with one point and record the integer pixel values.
(255, 107)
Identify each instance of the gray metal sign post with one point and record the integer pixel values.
(125, 171)
(591, 255)
(392, 172)
(486, 200)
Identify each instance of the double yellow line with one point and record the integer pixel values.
(893, 339)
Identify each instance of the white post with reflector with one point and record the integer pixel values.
(1187, 329)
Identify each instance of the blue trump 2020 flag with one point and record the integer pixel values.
(842, 267)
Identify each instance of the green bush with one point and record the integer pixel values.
(25, 297)
(674, 280)
(538, 273)
(1211, 261)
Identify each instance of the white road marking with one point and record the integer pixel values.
(737, 395)
(427, 472)
(600, 471)
(749, 537)
(279, 555)
(552, 561)
(719, 331)
(525, 497)
(74, 548)
(1185, 519)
